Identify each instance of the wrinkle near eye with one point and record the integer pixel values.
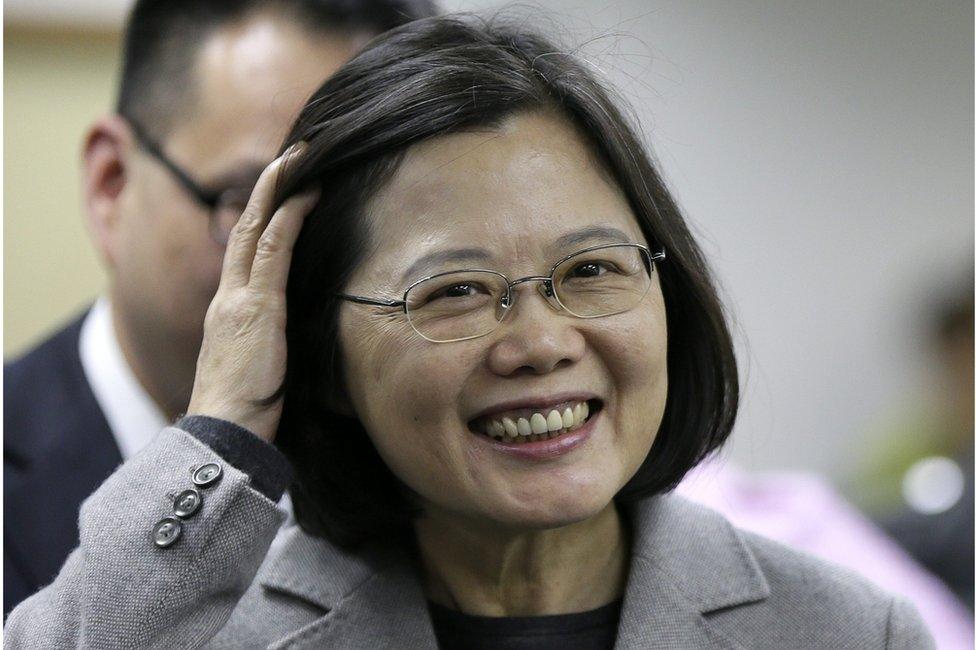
(382, 323)
(385, 334)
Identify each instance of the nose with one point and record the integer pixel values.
(535, 338)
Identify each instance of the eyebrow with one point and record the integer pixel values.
(592, 234)
(442, 257)
(582, 236)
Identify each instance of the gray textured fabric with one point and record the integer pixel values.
(270, 471)
(695, 581)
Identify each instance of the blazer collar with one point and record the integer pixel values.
(373, 597)
(686, 561)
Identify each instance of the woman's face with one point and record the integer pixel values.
(514, 193)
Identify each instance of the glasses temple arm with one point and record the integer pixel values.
(363, 300)
(206, 197)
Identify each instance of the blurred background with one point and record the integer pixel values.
(822, 151)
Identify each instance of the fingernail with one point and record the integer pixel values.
(294, 149)
(311, 197)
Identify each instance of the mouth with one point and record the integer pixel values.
(532, 424)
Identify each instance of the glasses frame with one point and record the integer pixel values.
(207, 198)
(507, 301)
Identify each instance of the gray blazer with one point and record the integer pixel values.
(695, 581)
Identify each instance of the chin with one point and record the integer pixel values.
(555, 509)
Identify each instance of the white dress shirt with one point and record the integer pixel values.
(132, 415)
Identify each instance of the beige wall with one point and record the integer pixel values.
(55, 83)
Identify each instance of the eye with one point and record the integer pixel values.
(458, 290)
(589, 270)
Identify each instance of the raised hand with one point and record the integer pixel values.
(242, 360)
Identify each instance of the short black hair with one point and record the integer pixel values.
(427, 79)
(162, 39)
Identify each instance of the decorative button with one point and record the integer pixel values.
(187, 503)
(166, 531)
(207, 475)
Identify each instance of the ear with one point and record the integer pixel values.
(106, 154)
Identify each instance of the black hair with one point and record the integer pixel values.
(162, 39)
(424, 80)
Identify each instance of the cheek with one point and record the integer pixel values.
(636, 348)
(403, 388)
(635, 355)
(408, 405)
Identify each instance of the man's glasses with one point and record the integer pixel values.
(460, 305)
(225, 206)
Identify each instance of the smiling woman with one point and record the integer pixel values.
(503, 350)
(517, 159)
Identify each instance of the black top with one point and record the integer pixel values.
(592, 630)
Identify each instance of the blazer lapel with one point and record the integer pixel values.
(387, 611)
(373, 598)
(686, 561)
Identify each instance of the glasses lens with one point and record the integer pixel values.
(603, 281)
(228, 212)
(455, 306)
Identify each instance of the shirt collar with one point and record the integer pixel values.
(132, 415)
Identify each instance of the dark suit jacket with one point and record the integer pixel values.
(57, 449)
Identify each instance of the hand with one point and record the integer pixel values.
(242, 360)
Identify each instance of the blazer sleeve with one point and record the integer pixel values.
(119, 589)
(906, 630)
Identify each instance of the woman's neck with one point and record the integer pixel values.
(484, 571)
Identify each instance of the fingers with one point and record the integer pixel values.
(272, 256)
(241, 247)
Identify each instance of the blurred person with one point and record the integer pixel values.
(919, 485)
(803, 510)
(926, 557)
(207, 91)
(488, 354)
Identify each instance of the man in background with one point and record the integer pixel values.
(207, 92)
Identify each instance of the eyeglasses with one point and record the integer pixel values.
(460, 305)
(225, 206)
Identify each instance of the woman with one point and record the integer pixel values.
(504, 348)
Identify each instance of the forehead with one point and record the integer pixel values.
(250, 80)
(514, 191)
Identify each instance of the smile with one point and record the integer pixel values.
(532, 425)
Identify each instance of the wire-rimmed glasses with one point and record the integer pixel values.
(225, 205)
(459, 305)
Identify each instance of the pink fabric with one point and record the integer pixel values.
(803, 511)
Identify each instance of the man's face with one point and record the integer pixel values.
(251, 80)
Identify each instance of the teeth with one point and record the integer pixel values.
(510, 428)
(568, 419)
(554, 421)
(538, 426)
